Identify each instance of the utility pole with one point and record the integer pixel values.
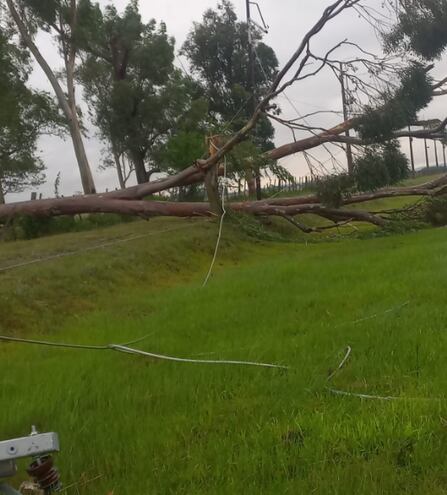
(346, 117)
(436, 152)
(411, 152)
(252, 84)
(443, 154)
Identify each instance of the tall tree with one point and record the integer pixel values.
(130, 80)
(217, 50)
(24, 116)
(62, 19)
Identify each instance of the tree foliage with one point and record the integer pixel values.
(399, 108)
(333, 189)
(139, 98)
(61, 19)
(421, 28)
(217, 50)
(24, 115)
(378, 166)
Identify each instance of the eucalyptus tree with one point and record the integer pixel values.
(62, 19)
(138, 97)
(217, 49)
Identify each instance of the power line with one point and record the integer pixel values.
(285, 95)
(130, 350)
(89, 248)
(221, 222)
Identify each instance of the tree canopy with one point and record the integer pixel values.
(217, 50)
(420, 28)
(61, 19)
(139, 98)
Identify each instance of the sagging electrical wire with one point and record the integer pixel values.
(89, 248)
(221, 222)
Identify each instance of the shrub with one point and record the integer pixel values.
(395, 162)
(26, 227)
(333, 189)
(380, 166)
(370, 171)
(436, 211)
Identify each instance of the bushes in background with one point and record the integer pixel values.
(26, 227)
(379, 166)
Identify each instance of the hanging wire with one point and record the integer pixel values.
(89, 248)
(291, 103)
(221, 222)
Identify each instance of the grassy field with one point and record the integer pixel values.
(130, 425)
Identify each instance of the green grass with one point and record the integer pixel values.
(151, 427)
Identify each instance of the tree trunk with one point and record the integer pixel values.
(140, 168)
(75, 128)
(88, 185)
(146, 209)
(2, 195)
(258, 186)
(212, 190)
(251, 183)
(68, 110)
(119, 170)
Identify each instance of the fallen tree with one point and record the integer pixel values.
(129, 201)
(282, 207)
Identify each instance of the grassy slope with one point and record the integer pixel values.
(157, 428)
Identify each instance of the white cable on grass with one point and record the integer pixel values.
(130, 350)
(219, 236)
(363, 396)
(340, 366)
(376, 315)
(90, 248)
(381, 397)
(64, 345)
(368, 396)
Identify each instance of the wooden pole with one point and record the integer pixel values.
(349, 157)
(436, 152)
(252, 86)
(412, 153)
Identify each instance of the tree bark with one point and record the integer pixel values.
(68, 110)
(2, 195)
(140, 168)
(258, 186)
(146, 209)
(75, 127)
(119, 170)
(251, 183)
(88, 184)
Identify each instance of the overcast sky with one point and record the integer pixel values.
(288, 20)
